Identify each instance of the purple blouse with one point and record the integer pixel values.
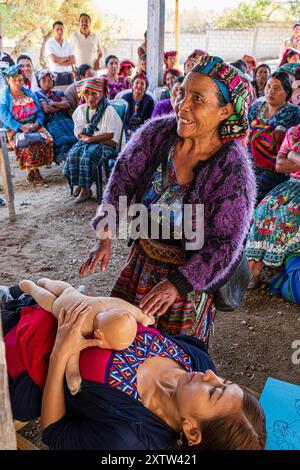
(115, 87)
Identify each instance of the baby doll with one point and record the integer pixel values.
(113, 321)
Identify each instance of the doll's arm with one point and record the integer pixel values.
(73, 377)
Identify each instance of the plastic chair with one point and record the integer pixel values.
(103, 170)
(159, 91)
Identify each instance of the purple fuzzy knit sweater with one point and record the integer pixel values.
(225, 184)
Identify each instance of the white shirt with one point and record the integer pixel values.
(110, 122)
(64, 50)
(86, 49)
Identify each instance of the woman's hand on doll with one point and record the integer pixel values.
(99, 254)
(159, 299)
(69, 339)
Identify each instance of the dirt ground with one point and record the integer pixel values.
(51, 237)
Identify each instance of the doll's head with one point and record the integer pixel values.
(116, 329)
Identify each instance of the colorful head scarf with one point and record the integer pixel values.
(292, 68)
(43, 73)
(125, 65)
(13, 71)
(284, 59)
(142, 76)
(250, 59)
(234, 91)
(97, 85)
(197, 53)
(169, 54)
(174, 72)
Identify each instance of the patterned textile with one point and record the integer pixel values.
(33, 156)
(292, 68)
(115, 87)
(83, 160)
(59, 125)
(24, 109)
(284, 59)
(291, 143)
(123, 370)
(275, 233)
(13, 71)
(233, 89)
(192, 314)
(98, 85)
(287, 283)
(169, 200)
(266, 180)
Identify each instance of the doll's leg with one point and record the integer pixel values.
(56, 287)
(73, 374)
(42, 296)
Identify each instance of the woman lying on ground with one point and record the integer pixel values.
(164, 397)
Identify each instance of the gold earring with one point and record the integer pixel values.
(179, 441)
(190, 443)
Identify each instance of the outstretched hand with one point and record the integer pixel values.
(99, 254)
(69, 339)
(159, 299)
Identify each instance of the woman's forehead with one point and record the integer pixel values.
(195, 81)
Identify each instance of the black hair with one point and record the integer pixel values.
(85, 14)
(81, 71)
(285, 81)
(57, 22)
(111, 56)
(240, 65)
(295, 25)
(292, 53)
(179, 79)
(23, 57)
(259, 67)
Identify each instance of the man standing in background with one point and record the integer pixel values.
(60, 56)
(86, 45)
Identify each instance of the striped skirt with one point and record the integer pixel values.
(149, 263)
(275, 232)
(61, 127)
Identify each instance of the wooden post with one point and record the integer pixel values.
(155, 42)
(7, 431)
(177, 32)
(6, 177)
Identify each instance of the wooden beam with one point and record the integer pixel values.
(177, 32)
(7, 432)
(6, 177)
(155, 42)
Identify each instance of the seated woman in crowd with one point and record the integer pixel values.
(142, 64)
(116, 82)
(98, 129)
(270, 117)
(140, 105)
(159, 393)
(275, 233)
(290, 56)
(21, 114)
(126, 69)
(170, 76)
(251, 64)
(167, 106)
(188, 65)
(170, 59)
(260, 77)
(30, 80)
(58, 122)
(293, 69)
(83, 71)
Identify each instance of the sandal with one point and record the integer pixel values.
(30, 176)
(84, 197)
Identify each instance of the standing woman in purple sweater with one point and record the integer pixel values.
(192, 158)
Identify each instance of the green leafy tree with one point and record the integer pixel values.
(30, 21)
(248, 15)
